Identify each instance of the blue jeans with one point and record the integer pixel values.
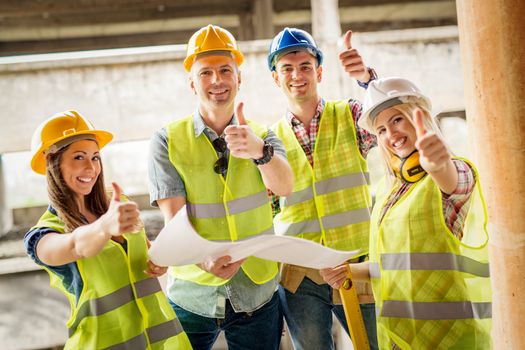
(258, 330)
(308, 314)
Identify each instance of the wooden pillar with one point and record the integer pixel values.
(326, 30)
(6, 219)
(492, 42)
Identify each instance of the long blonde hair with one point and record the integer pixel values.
(409, 111)
(62, 198)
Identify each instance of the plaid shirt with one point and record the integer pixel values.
(307, 138)
(454, 208)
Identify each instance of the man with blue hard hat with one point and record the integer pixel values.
(330, 201)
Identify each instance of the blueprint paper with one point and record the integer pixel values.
(179, 244)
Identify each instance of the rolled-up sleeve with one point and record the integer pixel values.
(365, 140)
(276, 143)
(164, 180)
(31, 239)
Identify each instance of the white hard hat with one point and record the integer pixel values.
(388, 92)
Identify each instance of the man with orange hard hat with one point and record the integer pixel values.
(220, 166)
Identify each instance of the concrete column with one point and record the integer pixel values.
(492, 42)
(326, 30)
(6, 219)
(246, 30)
(326, 25)
(263, 19)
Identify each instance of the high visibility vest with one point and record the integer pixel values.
(220, 209)
(330, 202)
(432, 290)
(120, 307)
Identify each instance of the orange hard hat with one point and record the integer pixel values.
(211, 38)
(55, 132)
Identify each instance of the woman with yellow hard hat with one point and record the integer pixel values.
(94, 247)
(428, 242)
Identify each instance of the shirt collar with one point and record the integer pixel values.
(294, 121)
(199, 126)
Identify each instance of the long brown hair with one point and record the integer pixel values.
(63, 199)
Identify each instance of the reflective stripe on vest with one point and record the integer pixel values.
(138, 342)
(235, 206)
(327, 186)
(124, 295)
(429, 261)
(330, 200)
(329, 222)
(164, 330)
(451, 310)
(155, 334)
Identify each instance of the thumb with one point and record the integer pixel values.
(420, 127)
(240, 114)
(117, 192)
(348, 40)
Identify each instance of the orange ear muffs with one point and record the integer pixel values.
(408, 169)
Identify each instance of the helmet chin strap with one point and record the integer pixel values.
(407, 169)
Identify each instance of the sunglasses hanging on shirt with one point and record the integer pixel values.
(221, 164)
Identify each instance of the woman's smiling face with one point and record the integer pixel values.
(395, 132)
(80, 166)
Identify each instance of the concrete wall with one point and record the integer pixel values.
(135, 91)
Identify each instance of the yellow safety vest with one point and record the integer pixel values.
(432, 290)
(220, 209)
(330, 202)
(120, 307)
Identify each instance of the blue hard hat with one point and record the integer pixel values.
(290, 38)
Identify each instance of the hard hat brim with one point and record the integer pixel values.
(366, 121)
(190, 60)
(38, 162)
(292, 48)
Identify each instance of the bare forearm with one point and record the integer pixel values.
(55, 249)
(89, 240)
(277, 176)
(170, 206)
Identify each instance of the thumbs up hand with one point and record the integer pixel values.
(241, 140)
(433, 153)
(121, 217)
(352, 61)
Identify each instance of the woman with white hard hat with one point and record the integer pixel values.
(428, 242)
(94, 247)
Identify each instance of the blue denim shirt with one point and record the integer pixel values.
(209, 301)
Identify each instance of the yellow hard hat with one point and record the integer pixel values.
(55, 132)
(211, 38)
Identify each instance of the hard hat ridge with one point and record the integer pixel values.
(208, 39)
